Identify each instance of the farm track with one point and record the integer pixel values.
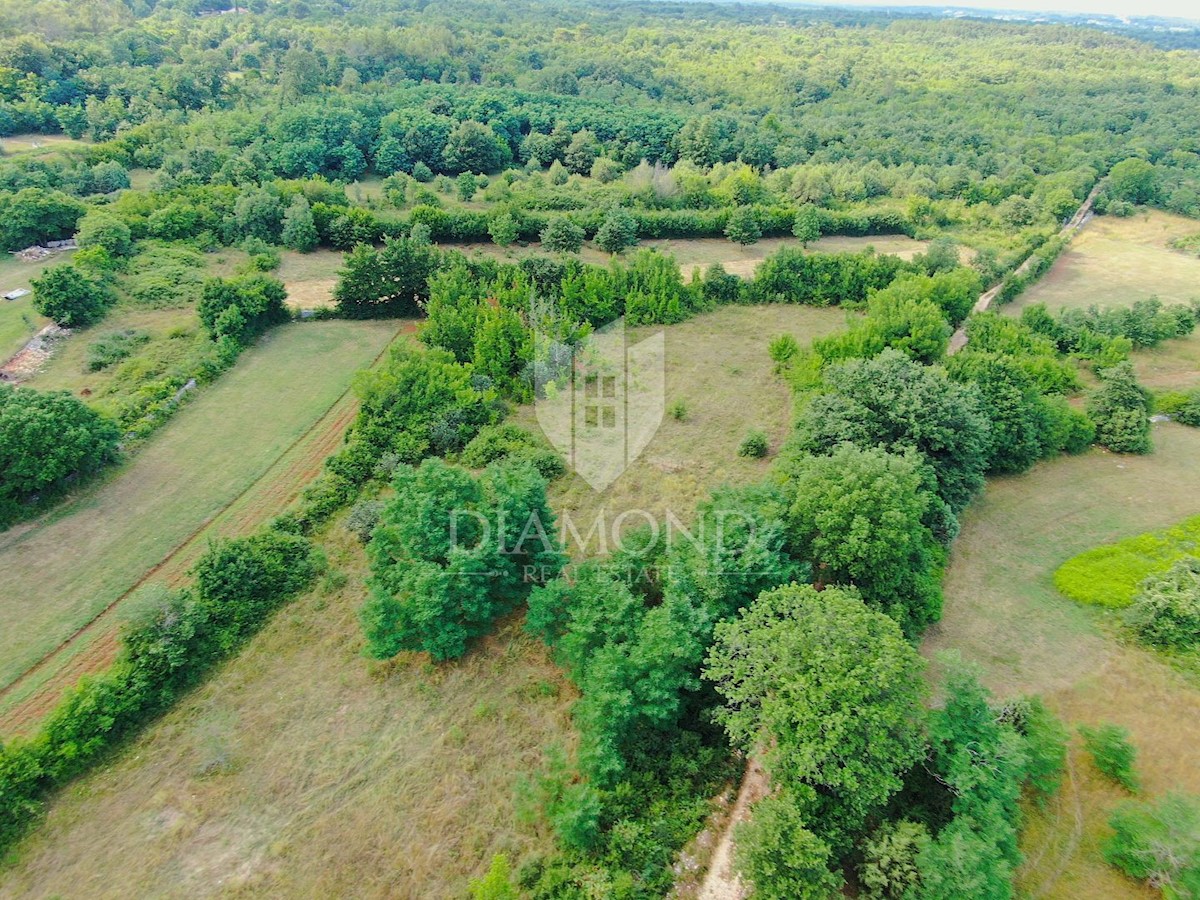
(94, 646)
(1082, 216)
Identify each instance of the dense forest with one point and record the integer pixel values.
(394, 131)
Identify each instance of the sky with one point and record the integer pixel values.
(1180, 9)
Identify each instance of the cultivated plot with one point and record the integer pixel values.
(59, 572)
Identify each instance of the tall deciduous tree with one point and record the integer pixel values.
(392, 281)
(859, 518)
(831, 692)
(897, 404)
(46, 439)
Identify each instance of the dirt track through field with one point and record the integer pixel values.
(1082, 216)
(94, 646)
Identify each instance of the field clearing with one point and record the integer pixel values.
(37, 144)
(717, 365)
(1172, 365)
(310, 277)
(1003, 612)
(62, 570)
(738, 259)
(1114, 262)
(302, 769)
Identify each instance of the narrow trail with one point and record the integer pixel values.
(721, 881)
(94, 646)
(1081, 217)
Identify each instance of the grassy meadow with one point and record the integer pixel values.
(62, 570)
(1003, 612)
(717, 367)
(1116, 261)
(301, 768)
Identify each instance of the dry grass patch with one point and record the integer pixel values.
(717, 366)
(1114, 262)
(1172, 365)
(310, 277)
(37, 144)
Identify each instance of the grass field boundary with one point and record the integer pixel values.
(14, 713)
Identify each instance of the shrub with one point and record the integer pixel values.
(363, 517)
(743, 227)
(112, 348)
(562, 235)
(1166, 611)
(503, 229)
(1121, 411)
(754, 445)
(1112, 753)
(69, 297)
(1182, 407)
(783, 350)
(679, 411)
(496, 884)
(507, 441)
(618, 231)
(103, 229)
(888, 870)
(1111, 575)
(1157, 843)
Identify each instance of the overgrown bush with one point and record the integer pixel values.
(1166, 610)
(508, 441)
(1157, 842)
(112, 348)
(1112, 753)
(754, 445)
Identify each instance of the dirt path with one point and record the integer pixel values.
(1082, 216)
(28, 361)
(721, 882)
(93, 647)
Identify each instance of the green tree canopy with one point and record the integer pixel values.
(831, 692)
(69, 297)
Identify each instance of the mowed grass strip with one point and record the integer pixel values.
(1110, 575)
(60, 572)
(1115, 262)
